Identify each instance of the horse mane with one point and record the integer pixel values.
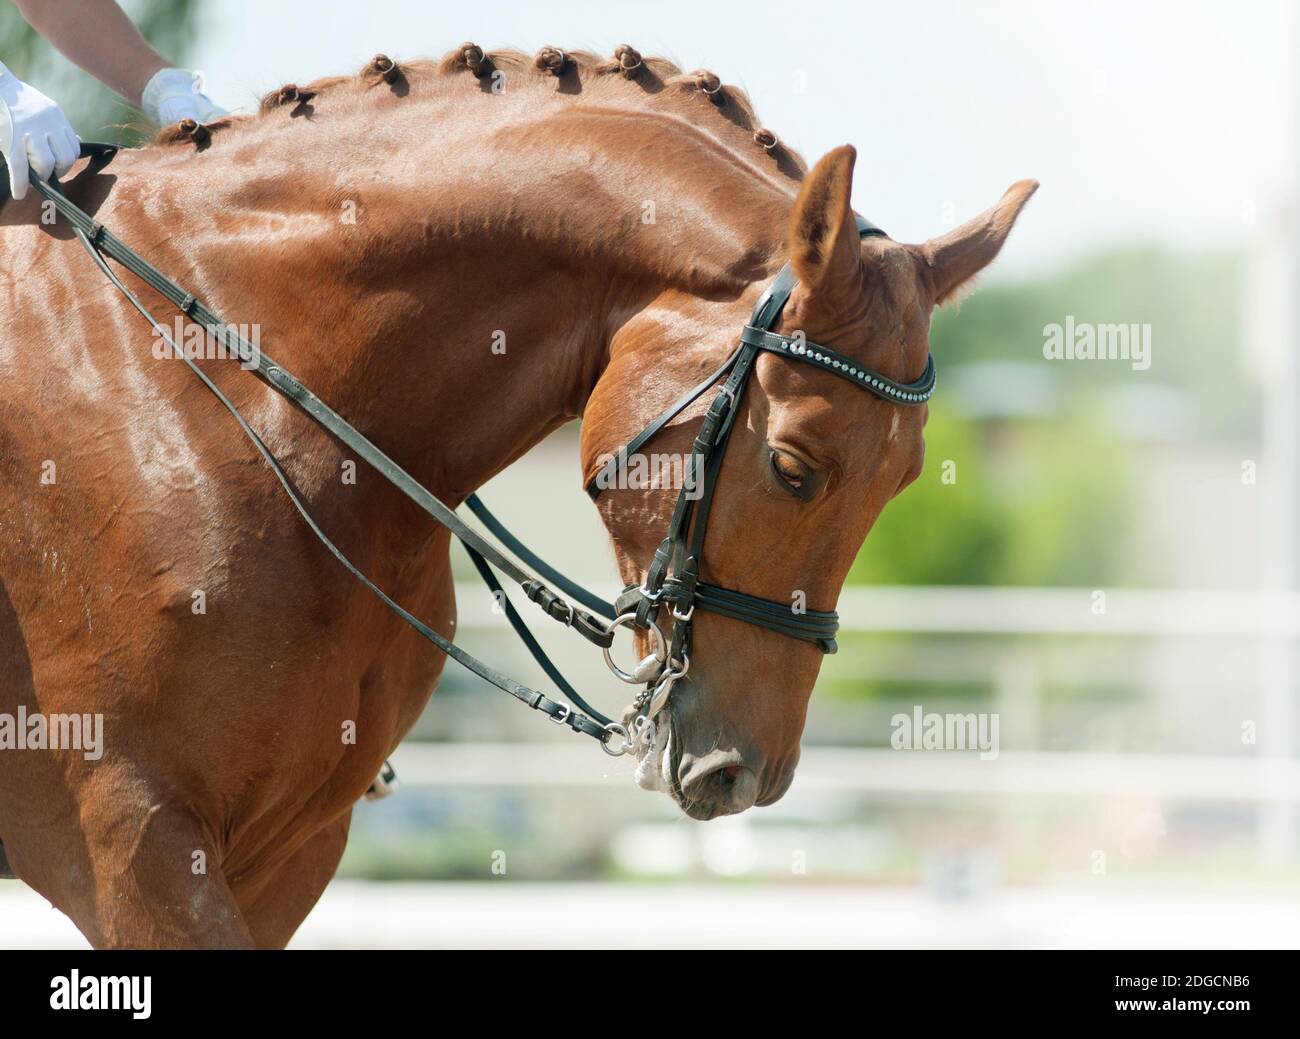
(700, 96)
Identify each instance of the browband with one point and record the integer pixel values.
(758, 333)
(842, 365)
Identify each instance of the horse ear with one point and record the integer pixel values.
(955, 258)
(824, 248)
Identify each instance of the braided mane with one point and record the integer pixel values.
(700, 96)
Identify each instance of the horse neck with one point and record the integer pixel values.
(455, 305)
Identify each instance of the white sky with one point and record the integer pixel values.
(1172, 121)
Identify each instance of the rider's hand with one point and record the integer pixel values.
(33, 130)
(176, 94)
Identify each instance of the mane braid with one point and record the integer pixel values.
(656, 81)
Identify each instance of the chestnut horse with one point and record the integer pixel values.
(460, 257)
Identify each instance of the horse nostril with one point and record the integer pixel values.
(720, 791)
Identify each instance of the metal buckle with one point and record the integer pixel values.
(684, 617)
(563, 716)
(650, 665)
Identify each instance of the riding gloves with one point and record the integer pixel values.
(33, 132)
(176, 94)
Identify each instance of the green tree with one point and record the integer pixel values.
(1043, 451)
(1192, 301)
(1023, 502)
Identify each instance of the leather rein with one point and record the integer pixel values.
(672, 580)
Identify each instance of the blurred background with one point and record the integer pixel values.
(1112, 572)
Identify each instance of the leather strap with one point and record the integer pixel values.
(101, 240)
(517, 548)
(603, 477)
(673, 574)
(819, 626)
(766, 311)
(101, 243)
(530, 641)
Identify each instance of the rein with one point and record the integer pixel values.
(103, 245)
(672, 581)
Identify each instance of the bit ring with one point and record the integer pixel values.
(614, 729)
(660, 648)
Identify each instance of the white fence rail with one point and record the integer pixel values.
(868, 771)
(1022, 611)
(1266, 776)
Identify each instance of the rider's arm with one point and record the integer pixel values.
(98, 36)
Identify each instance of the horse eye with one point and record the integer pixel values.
(790, 472)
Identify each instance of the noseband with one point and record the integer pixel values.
(673, 577)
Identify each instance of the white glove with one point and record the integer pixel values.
(33, 130)
(176, 94)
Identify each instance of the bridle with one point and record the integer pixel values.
(672, 580)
